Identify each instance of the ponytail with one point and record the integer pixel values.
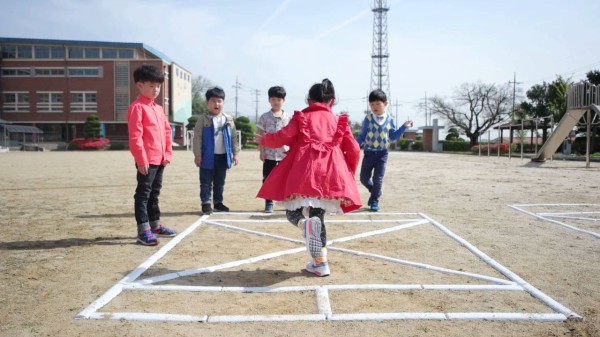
(322, 92)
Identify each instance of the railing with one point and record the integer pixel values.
(582, 95)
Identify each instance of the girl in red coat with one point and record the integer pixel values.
(317, 174)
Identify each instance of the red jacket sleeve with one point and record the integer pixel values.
(168, 141)
(285, 136)
(135, 127)
(351, 149)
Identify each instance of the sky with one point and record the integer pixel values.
(433, 45)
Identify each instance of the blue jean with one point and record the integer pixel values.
(146, 196)
(213, 179)
(372, 171)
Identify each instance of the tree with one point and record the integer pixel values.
(476, 108)
(191, 122)
(199, 86)
(557, 96)
(91, 127)
(593, 76)
(453, 134)
(247, 129)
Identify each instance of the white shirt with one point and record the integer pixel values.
(219, 123)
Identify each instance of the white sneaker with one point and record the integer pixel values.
(321, 269)
(312, 236)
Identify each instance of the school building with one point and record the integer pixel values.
(53, 85)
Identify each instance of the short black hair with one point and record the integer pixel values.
(148, 73)
(377, 95)
(322, 92)
(215, 92)
(277, 91)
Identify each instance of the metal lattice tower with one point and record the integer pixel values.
(380, 76)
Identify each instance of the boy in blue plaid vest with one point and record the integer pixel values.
(378, 131)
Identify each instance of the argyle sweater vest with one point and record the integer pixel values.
(377, 138)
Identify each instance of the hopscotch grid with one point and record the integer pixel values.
(130, 283)
(551, 217)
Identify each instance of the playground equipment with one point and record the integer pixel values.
(582, 99)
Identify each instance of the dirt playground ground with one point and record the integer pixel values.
(68, 230)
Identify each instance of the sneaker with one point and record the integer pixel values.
(374, 207)
(312, 236)
(370, 202)
(269, 207)
(163, 231)
(321, 269)
(147, 238)
(221, 208)
(206, 209)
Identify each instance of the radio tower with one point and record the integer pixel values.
(380, 77)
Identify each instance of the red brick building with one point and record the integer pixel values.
(55, 84)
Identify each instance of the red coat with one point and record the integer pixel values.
(149, 132)
(322, 160)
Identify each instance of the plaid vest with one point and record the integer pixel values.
(377, 138)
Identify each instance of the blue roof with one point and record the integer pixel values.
(156, 52)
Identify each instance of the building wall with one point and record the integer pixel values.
(111, 100)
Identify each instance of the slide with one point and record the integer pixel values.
(561, 132)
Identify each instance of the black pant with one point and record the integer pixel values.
(268, 166)
(146, 195)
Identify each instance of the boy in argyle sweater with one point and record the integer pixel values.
(378, 131)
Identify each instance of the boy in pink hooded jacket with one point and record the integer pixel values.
(150, 145)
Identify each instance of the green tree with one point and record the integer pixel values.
(247, 129)
(475, 108)
(91, 127)
(191, 122)
(453, 134)
(593, 76)
(199, 86)
(557, 96)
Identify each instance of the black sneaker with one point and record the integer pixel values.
(221, 208)
(206, 209)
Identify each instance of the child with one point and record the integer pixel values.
(270, 122)
(378, 129)
(150, 145)
(318, 172)
(215, 149)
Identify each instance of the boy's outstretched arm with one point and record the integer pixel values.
(395, 134)
(363, 132)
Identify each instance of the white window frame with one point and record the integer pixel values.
(100, 71)
(49, 68)
(83, 107)
(29, 69)
(15, 107)
(50, 106)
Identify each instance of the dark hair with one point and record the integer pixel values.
(277, 91)
(215, 92)
(322, 92)
(377, 95)
(148, 73)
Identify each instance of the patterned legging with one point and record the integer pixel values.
(296, 215)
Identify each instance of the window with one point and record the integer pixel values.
(92, 53)
(125, 53)
(84, 101)
(109, 53)
(15, 101)
(24, 52)
(42, 52)
(9, 52)
(57, 52)
(49, 101)
(50, 72)
(85, 71)
(75, 52)
(16, 72)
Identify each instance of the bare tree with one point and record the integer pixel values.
(199, 85)
(475, 108)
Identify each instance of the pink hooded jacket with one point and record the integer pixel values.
(149, 132)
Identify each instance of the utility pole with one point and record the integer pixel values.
(237, 86)
(512, 116)
(396, 106)
(426, 109)
(256, 93)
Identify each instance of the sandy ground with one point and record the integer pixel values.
(68, 236)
